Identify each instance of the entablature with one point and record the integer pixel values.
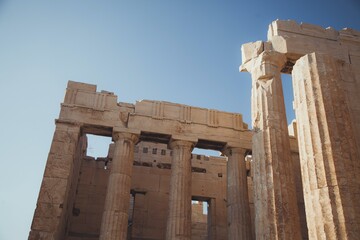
(154, 121)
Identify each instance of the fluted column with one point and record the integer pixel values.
(115, 217)
(276, 210)
(329, 158)
(179, 217)
(238, 209)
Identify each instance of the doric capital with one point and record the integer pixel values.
(181, 144)
(265, 66)
(271, 57)
(230, 151)
(125, 136)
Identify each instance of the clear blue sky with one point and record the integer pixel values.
(179, 51)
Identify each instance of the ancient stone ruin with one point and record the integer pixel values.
(265, 185)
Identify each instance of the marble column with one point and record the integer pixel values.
(238, 209)
(179, 216)
(114, 223)
(329, 157)
(276, 210)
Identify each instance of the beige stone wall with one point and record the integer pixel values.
(77, 196)
(57, 192)
(151, 177)
(150, 183)
(85, 220)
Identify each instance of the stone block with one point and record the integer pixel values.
(147, 182)
(59, 166)
(53, 190)
(289, 27)
(40, 235)
(48, 210)
(81, 86)
(251, 50)
(62, 148)
(66, 134)
(44, 224)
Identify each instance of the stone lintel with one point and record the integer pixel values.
(187, 115)
(68, 122)
(85, 95)
(235, 145)
(286, 27)
(296, 40)
(254, 49)
(349, 34)
(81, 86)
(185, 139)
(126, 130)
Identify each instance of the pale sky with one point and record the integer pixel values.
(179, 51)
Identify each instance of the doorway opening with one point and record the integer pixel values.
(199, 218)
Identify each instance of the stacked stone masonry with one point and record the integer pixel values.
(266, 184)
(325, 68)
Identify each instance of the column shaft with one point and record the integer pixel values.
(328, 154)
(276, 210)
(179, 217)
(238, 209)
(115, 217)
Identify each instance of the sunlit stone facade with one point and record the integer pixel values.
(265, 185)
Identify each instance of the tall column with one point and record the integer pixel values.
(276, 210)
(114, 223)
(62, 165)
(179, 217)
(238, 209)
(329, 158)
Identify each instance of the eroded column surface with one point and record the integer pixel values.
(328, 154)
(276, 210)
(179, 217)
(115, 217)
(238, 209)
(49, 220)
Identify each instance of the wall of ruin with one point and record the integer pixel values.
(83, 197)
(150, 184)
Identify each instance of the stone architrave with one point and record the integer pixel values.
(328, 155)
(179, 216)
(276, 210)
(238, 209)
(51, 209)
(115, 217)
